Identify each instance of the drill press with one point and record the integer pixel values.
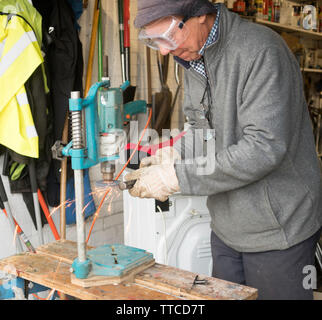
(98, 137)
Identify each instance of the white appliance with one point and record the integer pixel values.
(178, 236)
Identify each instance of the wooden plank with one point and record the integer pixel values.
(62, 249)
(180, 283)
(92, 281)
(55, 274)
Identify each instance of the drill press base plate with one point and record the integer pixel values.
(113, 264)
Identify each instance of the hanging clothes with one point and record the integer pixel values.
(26, 11)
(36, 95)
(20, 56)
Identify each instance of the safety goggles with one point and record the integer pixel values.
(168, 33)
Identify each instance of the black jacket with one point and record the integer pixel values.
(64, 64)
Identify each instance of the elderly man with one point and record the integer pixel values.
(242, 81)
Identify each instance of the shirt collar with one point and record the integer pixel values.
(212, 37)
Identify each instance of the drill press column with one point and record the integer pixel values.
(79, 182)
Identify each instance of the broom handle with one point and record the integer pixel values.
(92, 47)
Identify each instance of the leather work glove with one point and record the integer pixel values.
(155, 181)
(167, 155)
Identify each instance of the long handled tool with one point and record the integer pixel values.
(20, 233)
(177, 77)
(124, 37)
(47, 214)
(126, 17)
(100, 45)
(129, 93)
(148, 74)
(150, 99)
(34, 190)
(121, 37)
(163, 98)
(4, 198)
(63, 183)
(92, 46)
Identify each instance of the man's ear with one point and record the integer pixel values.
(202, 19)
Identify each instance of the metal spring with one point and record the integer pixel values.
(77, 129)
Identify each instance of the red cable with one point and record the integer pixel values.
(152, 149)
(47, 214)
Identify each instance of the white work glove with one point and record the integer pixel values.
(155, 181)
(167, 155)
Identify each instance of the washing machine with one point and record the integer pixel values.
(176, 232)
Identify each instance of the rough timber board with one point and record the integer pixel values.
(92, 281)
(62, 249)
(52, 273)
(179, 282)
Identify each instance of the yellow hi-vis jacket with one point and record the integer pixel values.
(20, 55)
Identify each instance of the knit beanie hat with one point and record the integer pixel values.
(151, 10)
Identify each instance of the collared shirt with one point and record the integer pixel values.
(199, 64)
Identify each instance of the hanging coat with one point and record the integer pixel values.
(15, 164)
(20, 56)
(26, 11)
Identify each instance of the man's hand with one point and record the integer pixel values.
(155, 181)
(156, 177)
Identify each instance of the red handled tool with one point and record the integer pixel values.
(129, 93)
(20, 233)
(5, 205)
(47, 214)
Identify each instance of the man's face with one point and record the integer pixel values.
(190, 38)
(189, 49)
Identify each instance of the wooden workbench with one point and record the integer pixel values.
(50, 267)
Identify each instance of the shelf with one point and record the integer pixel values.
(311, 70)
(281, 27)
(299, 2)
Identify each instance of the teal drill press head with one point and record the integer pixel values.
(103, 114)
(110, 109)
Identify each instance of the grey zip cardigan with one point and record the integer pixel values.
(265, 191)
